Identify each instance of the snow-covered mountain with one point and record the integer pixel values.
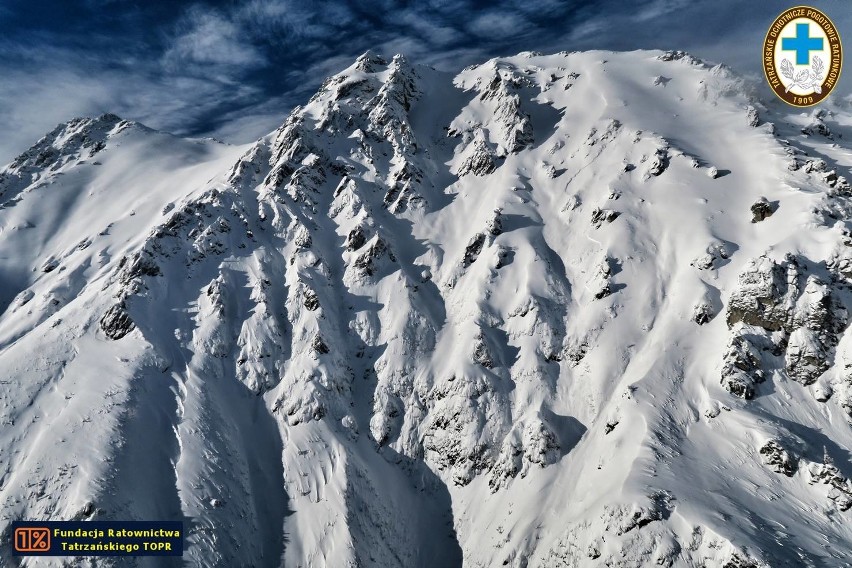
(586, 309)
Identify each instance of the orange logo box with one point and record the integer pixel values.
(32, 539)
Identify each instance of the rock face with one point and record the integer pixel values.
(600, 216)
(779, 309)
(75, 141)
(778, 459)
(761, 210)
(116, 322)
(500, 318)
(839, 487)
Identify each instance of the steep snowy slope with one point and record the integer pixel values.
(586, 309)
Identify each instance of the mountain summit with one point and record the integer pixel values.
(583, 309)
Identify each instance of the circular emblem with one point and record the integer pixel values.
(802, 56)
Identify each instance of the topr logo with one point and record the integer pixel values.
(802, 56)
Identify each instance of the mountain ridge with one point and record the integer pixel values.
(553, 310)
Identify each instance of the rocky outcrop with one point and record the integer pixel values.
(474, 247)
(765, 294)
(69, 144)
(369, 262)
(480, 159)
(839, 487)
(742, 367)
(601, 216)
(778, 459)
(761, 210)
(601, 281)
(703, 312)
(528, 445)
(778, 309)
(658, 163)
(716, 255)
(116, 322)
(515, 126)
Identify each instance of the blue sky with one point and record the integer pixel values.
(233, 69)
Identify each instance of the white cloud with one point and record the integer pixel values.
(28, 109)
(208, 38)
(431, 30)
(286, 21)
(498, 24)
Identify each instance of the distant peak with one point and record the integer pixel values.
(678, 55)
(105, 119)
(109, 117)
(79, 137)
(369, 60)
(400, 63)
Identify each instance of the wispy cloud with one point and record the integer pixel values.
(284, 21)
(209, 39)
(496, 23)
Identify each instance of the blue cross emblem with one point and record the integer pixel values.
(802, 44)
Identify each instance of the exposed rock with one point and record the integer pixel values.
(576, 353)
(817, 126)
(807, 321)
(116, 322)
(49, 265)
(369, 62)
(600, 216)
(658, 163)
(752, 116)
(356, 239)
(623, 519)
(368, 261)
(311, 302)
(495, 223)
(512, 123)
(763, 295)
(601, 280)
(480, 160)
(541, 444)
(840, 488)
(140, 264)
(761, 210)
(818, 320)
(481, 353)
(806, 357)
(823, 392)
(504, 257)
(742, 365)
(817, 165)
(677, 55)
(474, 247)
(605, 291)
(318, 345)
(778, 459)
(717, 253)
(702, 313)
(529, 444)
(737, 561)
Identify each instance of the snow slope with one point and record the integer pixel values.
(585, 309)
